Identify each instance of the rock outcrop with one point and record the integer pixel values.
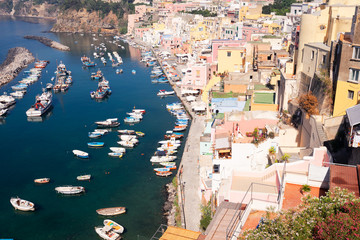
(83, 21)
(16, 60)
(49, 43)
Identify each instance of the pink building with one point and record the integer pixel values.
(178, 7)
(139, 32)
(132, 19)
(197, 77)
(224, 43)
(171, 43)
(245, 32)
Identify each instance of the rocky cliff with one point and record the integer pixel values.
(83, 21)
(28, 9)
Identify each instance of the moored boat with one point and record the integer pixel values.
(107, 233)
(111, 122)
(140, 134)
(114, 225)
(96, 144)
(111, 211)
(164, 174)
(115, 154)
(70, 190)
(118, 149)
(83, 177)
(167, 164)
(41, 106)
(126, 131)
(21, 204)
(42, 180)
(80, 154)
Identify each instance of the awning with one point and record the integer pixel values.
(225, 151)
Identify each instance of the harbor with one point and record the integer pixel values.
(129, 181)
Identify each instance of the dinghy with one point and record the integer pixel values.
(21, 204)
(83, 177)
(80, 154)
(116, 154)
(111, 211)
(70, 190)
(96, 144)
(107, 233)
(42, 180)
(163, 174)
(115, 226)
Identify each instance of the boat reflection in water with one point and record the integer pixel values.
(41, 118)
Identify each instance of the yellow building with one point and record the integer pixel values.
(272, 27)
(158, 26)
(251, 13)
(199, 32)
(231, 59)
(347, 95)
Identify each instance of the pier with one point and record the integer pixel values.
(49, 42)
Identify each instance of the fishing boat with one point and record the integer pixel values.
(96, 144)
(70, 190)
(135, 115)
(115, 154)
(42, 180)
(140, 134)
(165, 93)
(126, 131)
(97, 76)
(118, 149)
(111, 122)
(111, 211)
(115, 226)
(83, 177)
(86, 61)
(168, 164)
(80, 154)
(107, 233)
(131, 120)
(41, 106)
(21, 204)
(164, 174)
(174, 135)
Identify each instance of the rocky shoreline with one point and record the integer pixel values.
(16, 60)
(169, 208)
(49, 42)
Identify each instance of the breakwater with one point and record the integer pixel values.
(16, 60)
(49, 42)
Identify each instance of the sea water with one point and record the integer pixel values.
(42, 147)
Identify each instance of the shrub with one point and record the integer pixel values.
(305, 188)
(271, 135)
(205, 216)
(309, 103)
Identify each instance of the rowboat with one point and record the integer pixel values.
(107, 233)
(165, 169)
(115, 226)
(42, 180)
(111, 211)
(96, 144)
(164, 174)
(80, 154)
(21, 204)
(115, 154)
(83, 177)
(70, 190)
(118, 149)
(140, 134)
(167, 164)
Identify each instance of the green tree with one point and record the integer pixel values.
(206, 216)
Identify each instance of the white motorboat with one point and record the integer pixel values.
(158, 159)
(131, 138)
(107, 233)
(18, 94)
(165, 93)
(111, 122)
(126, 144)
(115, 154)
(171, 141)
(102, 131)
(41, 106)
(83, 177)
(135, 115)
(126, 131)
(118, 149)
(21, 204)
(70, 190)
(6, 101)
(80, 154)
(114, 225)
(131, 120)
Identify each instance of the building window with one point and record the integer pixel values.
(356, 53)
(216, 168)
(241, 55)
(312, 54)
(229, 54)
(323, 59)
(354, 75)
(350, 94)
(197, 73)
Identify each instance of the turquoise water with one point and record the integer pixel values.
(43, 148)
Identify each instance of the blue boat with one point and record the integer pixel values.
(96, 144)
(163, 81)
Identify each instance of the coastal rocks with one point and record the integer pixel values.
(49, 43)
(28, 9)
(168, 208)
(83, 21)
(17, 59)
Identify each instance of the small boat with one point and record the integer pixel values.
(159, 159)
(20, 86)
(164, 174)
(42, 180)
(165, 93)
(179, 128)
(118, 149)
(115, 154)
(83, 177)
(131, 138)
(70, 190)
(111, 122)
(49, 86)
(18, 94)
(115, 226)
(95, 144)
(95, 134)
(126, 131)
(111, 211)
(126, 144)
(142, 111)
(107, 233)
(131, 120)
(165, 169)
(21, 204)
(140, 134)
(80, 154)
(133, 72)
(102, 131)
(168, 164)
(173, 167)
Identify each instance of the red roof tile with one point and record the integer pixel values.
(344, 177)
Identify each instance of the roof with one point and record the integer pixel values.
(344, 177)
(264, 97)
(174, 233)
(318, 45)
(353, 115)
(221, 143)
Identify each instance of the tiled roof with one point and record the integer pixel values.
(344, 177)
